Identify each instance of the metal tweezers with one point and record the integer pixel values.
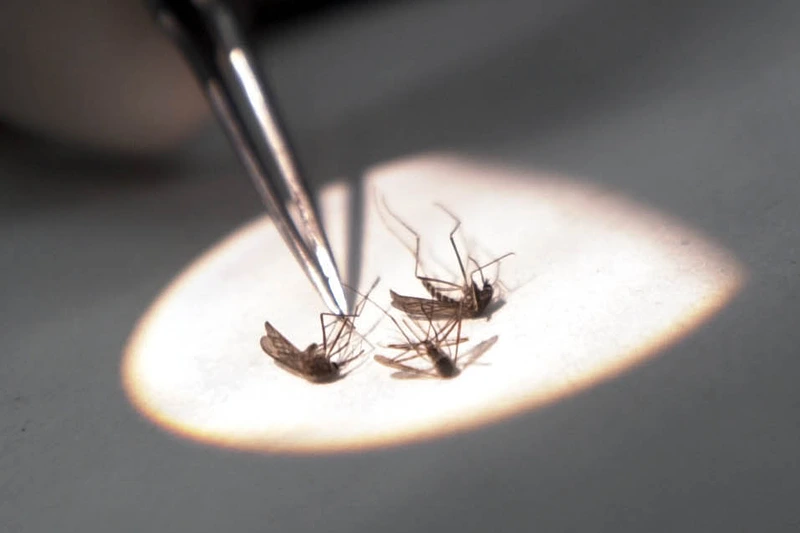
(210, 37)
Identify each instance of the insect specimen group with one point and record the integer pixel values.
(430, 328)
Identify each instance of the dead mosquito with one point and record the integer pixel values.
(473, 299)
(318, 363)
(432, 344)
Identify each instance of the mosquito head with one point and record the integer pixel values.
(483, 295)
(445, 368)
(321, 370)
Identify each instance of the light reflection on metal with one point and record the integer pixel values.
(304, 212)
(599, 283)
(213, 43)
(256, 95)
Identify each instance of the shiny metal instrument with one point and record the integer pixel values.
(210, 37)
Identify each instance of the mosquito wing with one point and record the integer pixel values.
(425, 307)
(391, 363)
(416, 374)
(478, 350)
(284, 352)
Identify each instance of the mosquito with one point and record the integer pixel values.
(432, 345)
(318, 363)
(473, 300)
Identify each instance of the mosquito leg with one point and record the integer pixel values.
(417, 262)
(455, 286)
(470, 259)
(398, 220)
(345, 327)
(498, 282)
(480, 268)
(442, 335)
(406, 349)
(416, 332)
(454, 342)
(345, 318)
(453, 241)
(324, 330)
(431, 326)
(343, 323)
(346, 361)
(458, 334)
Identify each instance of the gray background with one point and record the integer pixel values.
(691, 108)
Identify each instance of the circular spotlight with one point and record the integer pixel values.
(598, 284)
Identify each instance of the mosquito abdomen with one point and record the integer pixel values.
(437, 294)
(445, 367)
(322, 370)
(442, 363)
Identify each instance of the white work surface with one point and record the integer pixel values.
(641, 162)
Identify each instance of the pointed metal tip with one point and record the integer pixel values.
(333, 283)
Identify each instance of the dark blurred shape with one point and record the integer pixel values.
(100, 75)
(278, 12)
